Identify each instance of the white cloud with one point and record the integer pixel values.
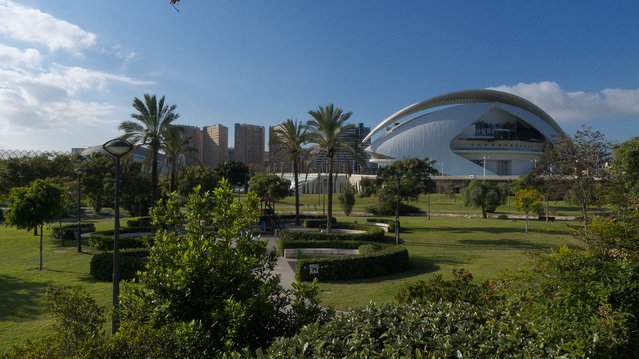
(14, 58)
(573, 106)
(36, 27)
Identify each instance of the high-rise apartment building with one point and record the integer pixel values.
(250, 145)
(345, 161)
(277, 159)
(193, 151)
(215, 145)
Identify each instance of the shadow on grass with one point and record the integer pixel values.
(506, 244)
(20, 299)
(492, 230)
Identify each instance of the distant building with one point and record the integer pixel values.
(215, 145)
(194, 137)
(278, 159)
(468, 133)
(345, 161)
(250, 145)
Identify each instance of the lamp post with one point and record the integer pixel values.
(78, 171)
(397, 211)
(534, 161)
(484, 157)
(116, 148)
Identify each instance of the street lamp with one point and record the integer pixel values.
(397, 210)
(484, 157)
(116, 148)
(78, 171)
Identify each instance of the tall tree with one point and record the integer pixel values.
(579, 164)
(414, 175)
(290, 137)
(625, 172)
(176, 145)
(327, 124)
(528, 200)
(153, 118)
(31, 207)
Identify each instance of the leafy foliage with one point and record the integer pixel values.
(216, 276)
(347, 198)
(528, 200)
(270, 185)
(193, 176)
(131, 262)
(235, 172)
(409, 178)
(485, 195)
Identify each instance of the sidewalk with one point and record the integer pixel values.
(284, 267)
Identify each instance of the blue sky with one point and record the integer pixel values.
(69, 69)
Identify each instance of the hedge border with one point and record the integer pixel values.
(392, 259)
(372, 234)
(131, 261)
(103, 242)
(67, 232)
(139, 222)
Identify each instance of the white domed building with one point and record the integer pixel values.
(473, 132)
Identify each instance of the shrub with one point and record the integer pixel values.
(391, 259)
(131, 261)
(502, 216)
(103, 242)
(138, 222)
(372, 234)
(125, 230)
(317, 223)
(67, 232)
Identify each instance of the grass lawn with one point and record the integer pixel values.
(23, 314)
(483, 247)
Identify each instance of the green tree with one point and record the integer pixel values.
(483, 194)
(135, 197)
(31, 207)
(151, 124)
(327, 125)
(347, 198)
(414, 176)
(290, 137)
(577, 166)
(270, 185)
(97, 175)
(193, 176)
(176, 147)
(216, 278)
(625, 171)
(528, 200)
(236, 172)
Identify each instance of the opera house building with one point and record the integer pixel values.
(473, 132)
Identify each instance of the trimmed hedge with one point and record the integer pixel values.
(317, 222)
(391, 259)
(131, 261)
(103, 242)
(126, 230)
(67, 232)
(372, 234)
(138, 222)
(291, 217)
(285, 244)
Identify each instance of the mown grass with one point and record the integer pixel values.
(483, 247)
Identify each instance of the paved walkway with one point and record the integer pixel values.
(284, 267)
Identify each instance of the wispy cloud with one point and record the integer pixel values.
(574, 106)
(36, 27)
(43, 102)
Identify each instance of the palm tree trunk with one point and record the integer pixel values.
(330, 194)
(154, 176)
(41, 247)
(297, 193)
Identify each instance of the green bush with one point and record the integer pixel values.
(372, 234)
(138, 222)
(131, 261)
(291, 217)
(103, 242)
(317, 222)
(296, 243)
(391, 259)
(126, 230)
(67, 232)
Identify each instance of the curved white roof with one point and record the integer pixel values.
(466, 97)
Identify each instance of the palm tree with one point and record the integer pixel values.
(289, 137)
(176, 145)
(327, 125)
(152, 120)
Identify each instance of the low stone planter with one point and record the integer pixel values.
(319, 252)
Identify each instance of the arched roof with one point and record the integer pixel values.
(468, 96)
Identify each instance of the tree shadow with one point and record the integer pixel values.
(506, 244)
(493, 230)
(20, 299)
